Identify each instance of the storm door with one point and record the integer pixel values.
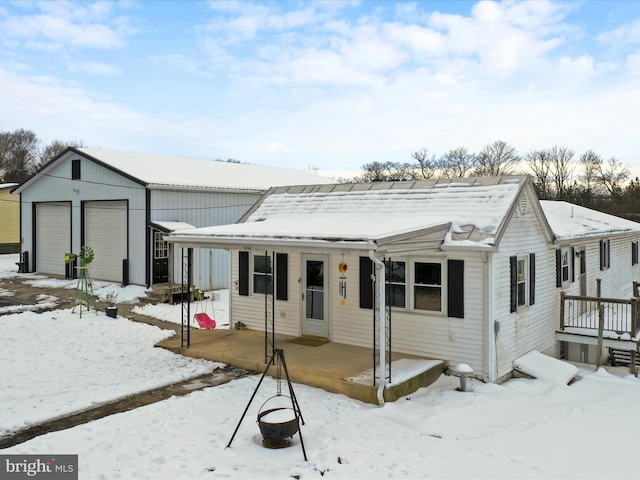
(315, 296)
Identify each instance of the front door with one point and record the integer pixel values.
(315, 298)
(160, 258)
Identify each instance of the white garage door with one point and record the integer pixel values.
(106, 232)
(53, 237)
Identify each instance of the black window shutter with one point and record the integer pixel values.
(573, 264)
(532, 278)
(634, 253)
(455, 288)
(282, 275)
(601, 254)
(243, 273)
(513, 263)
(559, 268)
(608, 253)
(366, 284)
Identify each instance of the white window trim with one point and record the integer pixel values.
(566, 251)
(443, 289)
(524, 257)
(406, 284)
(160, 245)
(254, 273)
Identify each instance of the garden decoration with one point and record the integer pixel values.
(85, 299)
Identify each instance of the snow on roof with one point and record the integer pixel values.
(169, 226)
(570, 221)
(174, 171)
(377, 211)
(7, 185)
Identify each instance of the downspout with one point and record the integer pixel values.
(490, 341)
(383, 329)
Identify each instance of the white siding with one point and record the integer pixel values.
(532, 327)
(251, 309)
(198, 208)
(96, 183)
(436, 336)
(211, 267)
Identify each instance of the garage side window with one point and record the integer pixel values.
(75, 169)
(160, 246)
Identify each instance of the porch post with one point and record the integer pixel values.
(380, 285)
(600, 323)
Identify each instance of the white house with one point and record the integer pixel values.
(121, 205)
(473, 267)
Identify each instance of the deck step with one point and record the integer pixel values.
(621, 358)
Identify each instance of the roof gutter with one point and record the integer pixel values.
(186, 241)
(383, 328)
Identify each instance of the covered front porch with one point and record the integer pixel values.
(334, 367)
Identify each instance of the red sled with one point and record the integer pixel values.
(205, 321)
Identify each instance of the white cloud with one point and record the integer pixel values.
(623, 36)
(95, 68)
(88, 25)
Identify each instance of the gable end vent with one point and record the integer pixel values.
(523, 205)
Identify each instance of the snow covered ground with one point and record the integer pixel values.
(521, 429)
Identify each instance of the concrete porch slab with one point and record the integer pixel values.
(328, 366)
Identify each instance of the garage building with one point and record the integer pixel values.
(122, 204)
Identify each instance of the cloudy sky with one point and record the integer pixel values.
(331, 85)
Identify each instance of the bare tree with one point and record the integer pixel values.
(562, 166)
(540, 165)
(591, 164)
(497, 158)
(457, 163)
(19, 151)
(55, 148)
(612, 175)
(427, 163)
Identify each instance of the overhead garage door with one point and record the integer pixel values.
(53, 237)
(106, 232)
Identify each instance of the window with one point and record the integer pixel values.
(605, 254)
(75, 169)
(522, 270)
(160, 246)
(262, 274)
(565, 265)
(522, 281)
(427, 286)
(396, 284)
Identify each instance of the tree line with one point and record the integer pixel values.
(22, 153)
(558, 173)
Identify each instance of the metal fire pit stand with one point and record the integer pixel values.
(279, 355)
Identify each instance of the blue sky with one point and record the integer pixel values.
(327, 84)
